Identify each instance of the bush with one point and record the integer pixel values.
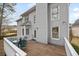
(76, 48)
(1, 37)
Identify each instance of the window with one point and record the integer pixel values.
(55, 32)
(55, 13)
(27, 18)
(22, 31)
(23, 18)
(27, 31)
(34, 18)
(35, 33)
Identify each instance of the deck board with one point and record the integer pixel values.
(34, 48)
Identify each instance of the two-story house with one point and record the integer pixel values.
(45, 22)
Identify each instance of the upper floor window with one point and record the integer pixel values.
(55, 13)
(34, 18)
(27, 18)
(23, 19)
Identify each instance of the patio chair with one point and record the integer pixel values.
(22, 43)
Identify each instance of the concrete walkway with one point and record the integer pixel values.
(34, 48)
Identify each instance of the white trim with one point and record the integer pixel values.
(58, 33)
(58, 12)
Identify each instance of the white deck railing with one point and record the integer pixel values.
(70, 51)
(11, 49)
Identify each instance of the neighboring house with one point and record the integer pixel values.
(45, 22)
(75, 28)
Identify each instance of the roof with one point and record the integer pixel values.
(19, 19)
(76, 24)
(27, 12)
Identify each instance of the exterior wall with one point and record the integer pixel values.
(31, 18)
(42, 24)
(31, 29)
(62, 23)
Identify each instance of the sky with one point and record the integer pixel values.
(73, 12)
(22, 7)
(19, 8)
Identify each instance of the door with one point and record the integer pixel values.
(34, 33)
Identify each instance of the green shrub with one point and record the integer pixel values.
(76, 48)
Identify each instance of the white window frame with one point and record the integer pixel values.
(58, 33)
(23, 19)
(27, 17)
(58, 13)
(26, 31)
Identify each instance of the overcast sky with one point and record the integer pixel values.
(22, 7)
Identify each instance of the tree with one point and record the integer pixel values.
(6, 9)
(70, 33)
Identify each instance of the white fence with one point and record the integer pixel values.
(70, 51)
(11, 49)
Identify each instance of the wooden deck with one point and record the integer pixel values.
(34, 48)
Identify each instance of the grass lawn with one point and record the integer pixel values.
(75, 43)
(75, 40)
(76, 48)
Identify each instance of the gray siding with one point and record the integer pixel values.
(62, 23)
(42, 18)
(43, 25)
